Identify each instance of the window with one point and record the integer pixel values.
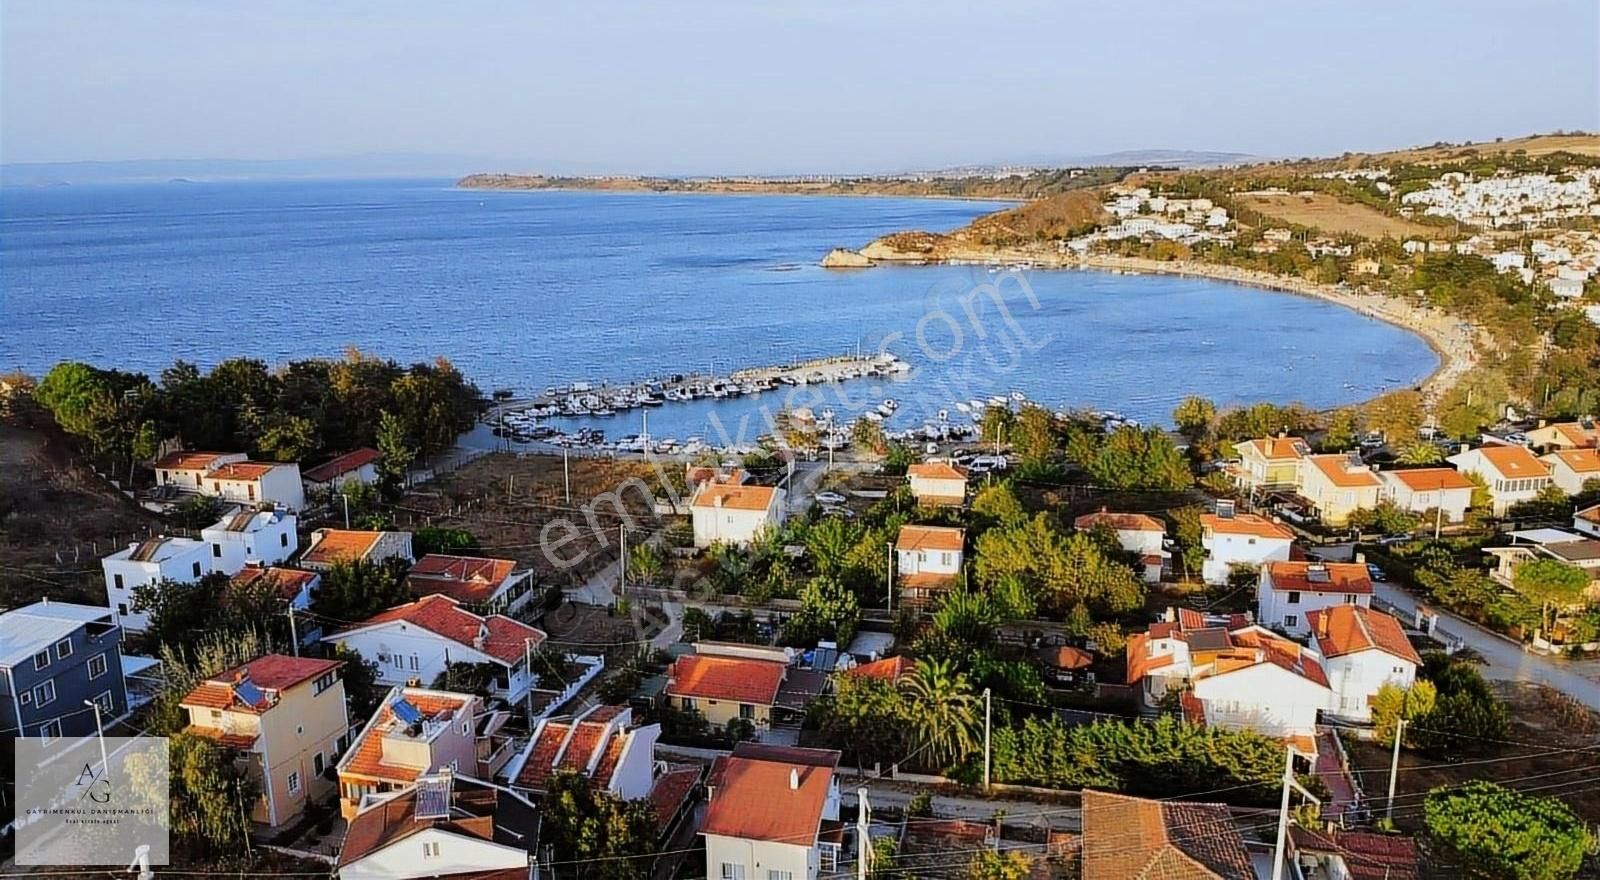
(466, 726)
(294, 782)
(413, 663)
(50, 730)
(63, 649)
(829, 853)
(250, 490)
(97, 666)
(688, 704)
(122, 607)
(430, 849)
(1294, 597)
(747, 711)
(196, 569)
(774, 874)
(323, 682)
(317, 764)
(216, 714)
(117, 580)
(105, 703)
(1250, 540)
(732, 871)
(25, 698)
(44, 694)
(1291, 620)
(41, 660)
(283, 540)
(1351, 599)
(216, 551)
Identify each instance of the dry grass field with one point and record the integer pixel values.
(1330, 215)
(1537, 145)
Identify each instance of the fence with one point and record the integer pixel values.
(594, 664)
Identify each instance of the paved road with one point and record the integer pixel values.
(1506, 659)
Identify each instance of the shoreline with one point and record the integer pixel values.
(770, 191)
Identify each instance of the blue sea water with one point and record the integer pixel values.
(527, 289)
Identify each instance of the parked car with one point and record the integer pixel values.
(838, 510)
(830, 498)
(1376, 573)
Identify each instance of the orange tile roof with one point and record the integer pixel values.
(1583, 461)
(670, 790)
(1245, 524)
(1125, 838)
(188, 461)
(247, 471)
(497, 636)
(341, 465)
(1366, 855)
(1575, 434)
(286, 582)
(340, 545)
(735, 679)
(752, 799)
(463, 578)
(607, 767)
(930, 538)
(1513, 462)
(1342, 577)
(1431, 479)
(734, 497)
(1589, 514)
(366, 754)
(1348, 629)
(540, 765)
(936, 470)
(1126, 522)
(1342, 472)
(240, 741)
(1066, 657)
(1279, 448)
(888, 669)
(269, 672)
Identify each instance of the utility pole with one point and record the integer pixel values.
(622, 558)
(527, 659)
(889, 579)
(1394, 768)
(566, 474)
(863, 839)
(346, 499)
(1283, 810)
(986, 706)
(294, 631)
(100, 732)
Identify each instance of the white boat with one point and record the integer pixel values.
(872, 415)
(999, 400)
(944, 415)
(976, 406)
(1018, 396)
(962, 406)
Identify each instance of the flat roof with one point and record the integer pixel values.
(30, 629)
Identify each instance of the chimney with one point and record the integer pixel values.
(794, 778)
(1361, 558)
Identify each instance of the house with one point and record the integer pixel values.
(938, 483)
(444, 825)
(53, 657)
(772, 812)
(1562, 546)
(256, 482)
(416, 641)
(1240, 539)
(415, 732)
(487, 586)
(295, 586)
(1362, 650)
(152, 561)
(942, 849)
(1138, 533)
(1064, 663)
(1512, 473)
(731, 513)
(1571, 468)
(359, 466)
(726, 682)
(1337, 485)
(286, 716)
(1231, 674)
(1353, 855)
(602, 744)
(1587, 521)
(695, 474)
(1126, 837)
(251, 536)
(1420, 490)
(1562, 435)
(331, 546)
(1269, 464)
(1288, 591)
(1365, 266)
(890, 669)
(187, 471)
(928, 560)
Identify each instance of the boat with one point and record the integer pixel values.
(944, 415)
(872, 415)
(962, 406)
(1018, 396)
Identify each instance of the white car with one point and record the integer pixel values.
(990, 462)
(830, 498)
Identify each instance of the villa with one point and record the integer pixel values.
(1338, 485)
(1512, 473)
(732, 513)
(938, 484)
(1288, 591)
(1138, 533)
(928, 561)
(1243, 539)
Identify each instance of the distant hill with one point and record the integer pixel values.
(198, 170)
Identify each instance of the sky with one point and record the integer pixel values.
(732, 86)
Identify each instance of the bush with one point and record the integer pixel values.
(1505, 833)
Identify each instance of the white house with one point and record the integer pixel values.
(772, 813)
(1338, 485)
(1288, 591)
(1571, 468)
(417, 640)
(489, 586)
(360, 466)
(1512, 473)
(180, 560)
(187, 471)
(265, 537)
(938, 483)
(329, 547)
(1240, 539)
(928, 560)
(1562, 435)
(1138, 533)
(1362, 651)
(734, 514)
(443, 824)
(255, 482)
(1422, 489)
(602, 744)
(1587, 521)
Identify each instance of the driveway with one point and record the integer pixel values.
(1506, 659)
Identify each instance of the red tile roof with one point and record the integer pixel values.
(1244, 524)
(936, 470)
(671, 790)
(733, 497)
(1066, 657)
(1342, 472)
(366, 754)
(498, 636)
(248, 471)
(1347, 629)
(1125, 838)
(1431, 479)
(241, 741)
(1278, 448)
(888, 669)
(930, 538)
(286, 582)
(341, 465)
(270, 672)
(753, 798)
(1125, 522)
(1367, 855)
(1308, 577)
(1582, 461)
(735, 679)
(463, 578)
(540, 765)
(339, 545)
(1513, 462)
(1589, 514)
(188, 461)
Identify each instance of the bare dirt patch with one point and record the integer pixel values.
(1328, 214)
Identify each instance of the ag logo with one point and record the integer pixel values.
(96, 788)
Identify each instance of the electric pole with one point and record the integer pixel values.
(294, 631)
(986, 707)
(1394, 768)
(863, 838)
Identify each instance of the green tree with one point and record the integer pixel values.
(868, 434)
(996, 865)
(439, 539)
(360, 676)
(1132, 458)
(1555, 585)
(597, 835)
(998, 503)
(645, 564)
(1035, 437)
(397, 452)
(828, 610)
(177, 610)
(1340, 432)
(1392, 704)
(466, 678)
(867, 717)
(1196, 419)
(1420, 453)
(353, 591)
(1493, 831)
(943, 712)
(208, 798)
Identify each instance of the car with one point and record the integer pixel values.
(1376, 573)
(990, 462)
(1391, 540)
(836, 510)
(831, 499)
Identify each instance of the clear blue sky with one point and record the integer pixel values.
(689, 86)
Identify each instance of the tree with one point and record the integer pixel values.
(1494, 831)
(1196, 419)
(828, 610)
(176, 610)
(353, 591)
(1035, 437)
(996, 865)
(360, 676)
(1554, 584)
(397, 452)
(208, 798)
(439, 539)
(1132, 458)
(868, 434)
(645, 565)
(999, 504)
(867, 717)
(1059, 570)
(1340, 433)
(466, 678)
(1387, 518)
(1420, 453)
(1189, 533)
(943, 712)
(595, 834)
(1392, 704)
(997, 424)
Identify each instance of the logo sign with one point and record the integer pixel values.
(84, 802)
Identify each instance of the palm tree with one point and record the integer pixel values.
(1420, 453)
(943, 710)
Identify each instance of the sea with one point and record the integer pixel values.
(526, 290)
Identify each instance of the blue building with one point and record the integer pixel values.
(53, 657)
